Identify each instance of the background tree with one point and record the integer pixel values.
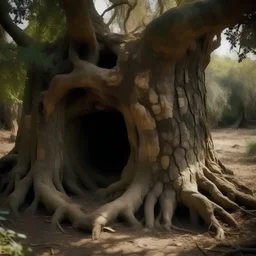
(243, 36)
(217, 93)
(230, 86)
(154, 82)
(11, 86)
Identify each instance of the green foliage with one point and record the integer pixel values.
(34, 55)
(231, 89)
(241, 81)
(217, 94)
(243, 36)
(46, 20)
(46, 24)
(13, 74)
(20, 9)
(217, 102)
(11, 242)
(251, 148)
(45, 17)
(13, 64)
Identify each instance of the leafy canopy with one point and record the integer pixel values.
(243, 36)
(46, 23)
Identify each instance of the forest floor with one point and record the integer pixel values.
(230, 146)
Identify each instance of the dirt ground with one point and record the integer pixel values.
(229, 144)
(5, 145)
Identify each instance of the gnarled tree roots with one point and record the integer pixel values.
(223, 195)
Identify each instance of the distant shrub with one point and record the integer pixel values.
(251, 148)
(230, 90)
(217, 102)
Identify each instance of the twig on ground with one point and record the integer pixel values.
(60, 228)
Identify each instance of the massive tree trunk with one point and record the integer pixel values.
(158, 85)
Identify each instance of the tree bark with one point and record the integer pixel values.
(163, 101)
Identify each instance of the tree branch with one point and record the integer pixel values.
(17, 34)
(112, 18)
(128, 15)
(84, 75)
(174, 31)
(80, 28)
(161, 6)
(118, 3)
(103, 33)
(136, 29)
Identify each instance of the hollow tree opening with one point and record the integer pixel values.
(103, 141)
(96, 146)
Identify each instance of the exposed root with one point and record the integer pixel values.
(240, 185)
(128, 203)
(206, 209)
(57, 202)
(168, 205)
(150, 202)
(58, 164)
(218, 168)
(224, 168)
(228, 218)
(125, 206)
(230, 190)
(216, 194)
(17, 197)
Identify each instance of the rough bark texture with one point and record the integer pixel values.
(162, 98)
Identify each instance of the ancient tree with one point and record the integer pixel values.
(155, 83)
